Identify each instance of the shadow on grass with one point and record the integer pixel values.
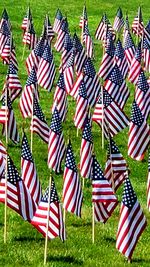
(82, 224)
(26, 239)
(111, 240)
(141, 261)
(67, 259)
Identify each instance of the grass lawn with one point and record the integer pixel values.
(25, 246)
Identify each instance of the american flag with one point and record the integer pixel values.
(5, 18)
(72, 192)
(57, 21)
(12, 82)
(54, 218)
(4, 112)
(116, 166)
(29, 37)
(80, 55)
(38, 122)
(4, 35)
(83, 19)
(119, 21)
(12, 131)
(26, 100)
(2, 159)
(107, 60)
(26, 20)
(9, 54)
(86, 151)
(67, 49)
(56, 145)
(129, 48)
(112, 114)
(116, 87)
(120, 59)
(101, 188)
(28, 172)
(61, 35)
(87, 40)
(76, 86)
(137, 25)
(60, 98)
(132, 221)
(81, 107)
(146, 54)
(46, 70)
(34, 58)
(48, 29)
(126, 28)
(91, 81)
(147, 32)
(18, 196)
(135, 67)
(69, 72)
(142, 95)
(101, 28)
(148, 184)
(139, 134)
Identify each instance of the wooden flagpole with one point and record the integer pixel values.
(112, 173)
(137, 39)
(6, 167)
(48, 214)
(93, 224)
(102, 117)
(82, 27)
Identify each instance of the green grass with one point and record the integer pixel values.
(25, 246)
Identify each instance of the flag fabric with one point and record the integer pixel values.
(67, 49)
(60, 98)
(101, 28)
(80, 55)
(69, 72)
(139, 134)
(5, 17)
(38, 122)
(12, 131)
(119, 21)
(142, 95)
(57, 21)
(101, 188)
(146, 54)
(129, 48)
(3, 154)
(4, 35)
(148, 184)
(28, 172)
(137, 25)
(9, 54)
(120, 59)
(126, 28)
(12, 83)
(83, 19)
(34, 58)
(46, 70)
(132, 221)
(107, 60)
(48, 29)
(75, 89)
(135, 68)
(26, 100)
(108, 112)
(18, 196)
(86, 151)
(61, 35)
(81, 107)
(147, 32)
(91, 81)
(116, 87)
(87, 40)
(56, 145)
(116, 166)
(4, 113)
(53, 219)
(29, 37)
(72, 192)
(26, 20)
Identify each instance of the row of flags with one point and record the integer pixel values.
(78, 79)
